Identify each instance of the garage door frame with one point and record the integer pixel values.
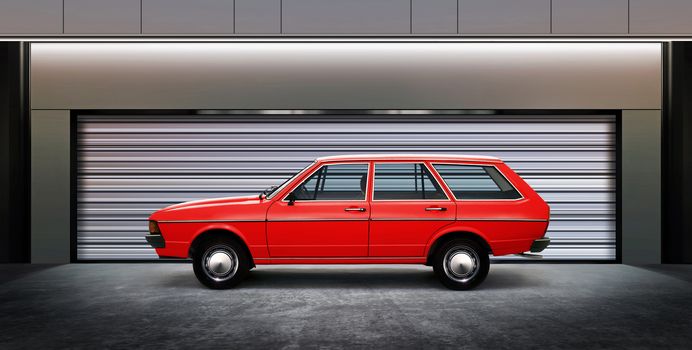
(74, 170)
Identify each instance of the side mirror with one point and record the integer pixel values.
(291, 198)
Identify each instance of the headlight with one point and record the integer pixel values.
(154, 228)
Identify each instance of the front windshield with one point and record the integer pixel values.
(276, 189)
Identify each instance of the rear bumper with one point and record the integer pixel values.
(539, 245)
(156, 241)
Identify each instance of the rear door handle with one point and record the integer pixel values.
(354, 209)
(435, 209)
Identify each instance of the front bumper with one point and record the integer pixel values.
(156, 241)
(539, 245)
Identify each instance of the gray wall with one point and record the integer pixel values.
(660, 16)
(257, 16)
(590, 17)
(189, 17)
(31, 17)
(346, 75)
(50, 186)
(345, 17)
(641, 183)
(70, 76)
(102, 17)
(504, 16)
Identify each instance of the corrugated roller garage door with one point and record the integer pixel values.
(129, 166)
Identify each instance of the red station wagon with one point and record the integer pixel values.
(448, 212)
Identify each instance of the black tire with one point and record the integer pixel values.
(222, 251)
(459, 276)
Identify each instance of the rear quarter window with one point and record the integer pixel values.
(476, 182)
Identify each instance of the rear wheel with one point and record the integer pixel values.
(220, 263)
(461, 264)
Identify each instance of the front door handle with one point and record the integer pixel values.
(354, 209)
(435, 209)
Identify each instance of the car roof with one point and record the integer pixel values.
(411, 157)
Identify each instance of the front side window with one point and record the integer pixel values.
(334, 182)
(271, 191)
(476, 182)
(405, 181)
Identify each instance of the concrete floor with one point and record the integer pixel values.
(519, 306)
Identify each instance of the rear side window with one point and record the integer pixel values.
(405, 181)
(334, 182)
(476, 182)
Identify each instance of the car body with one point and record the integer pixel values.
(363, 209)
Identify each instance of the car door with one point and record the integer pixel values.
(324, 216)
(408, 207)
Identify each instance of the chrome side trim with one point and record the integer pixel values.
(413, 219)
(188, 221)
(501, 219)
(313, 220)
(325, 200)
(414, 200)
(358, 219)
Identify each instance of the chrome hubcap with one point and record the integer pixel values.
(220, 263)
(461, 264)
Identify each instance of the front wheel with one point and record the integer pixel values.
(461, 264)
(220, 264)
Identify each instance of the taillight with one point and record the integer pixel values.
(154, 228)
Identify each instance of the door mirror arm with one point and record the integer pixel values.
(291, 198)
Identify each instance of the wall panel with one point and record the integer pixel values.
(31, 17)
(346, 17)
(641, 173)
(660, 16)
(258, 16)
(187, 17)
(504, 17)
(434, 16)
(50, 187)
(102, 16)
(346, 75)
(590, 16)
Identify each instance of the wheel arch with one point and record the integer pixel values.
(218, 232)
(447, 236)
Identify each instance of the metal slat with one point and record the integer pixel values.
(131, 165)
